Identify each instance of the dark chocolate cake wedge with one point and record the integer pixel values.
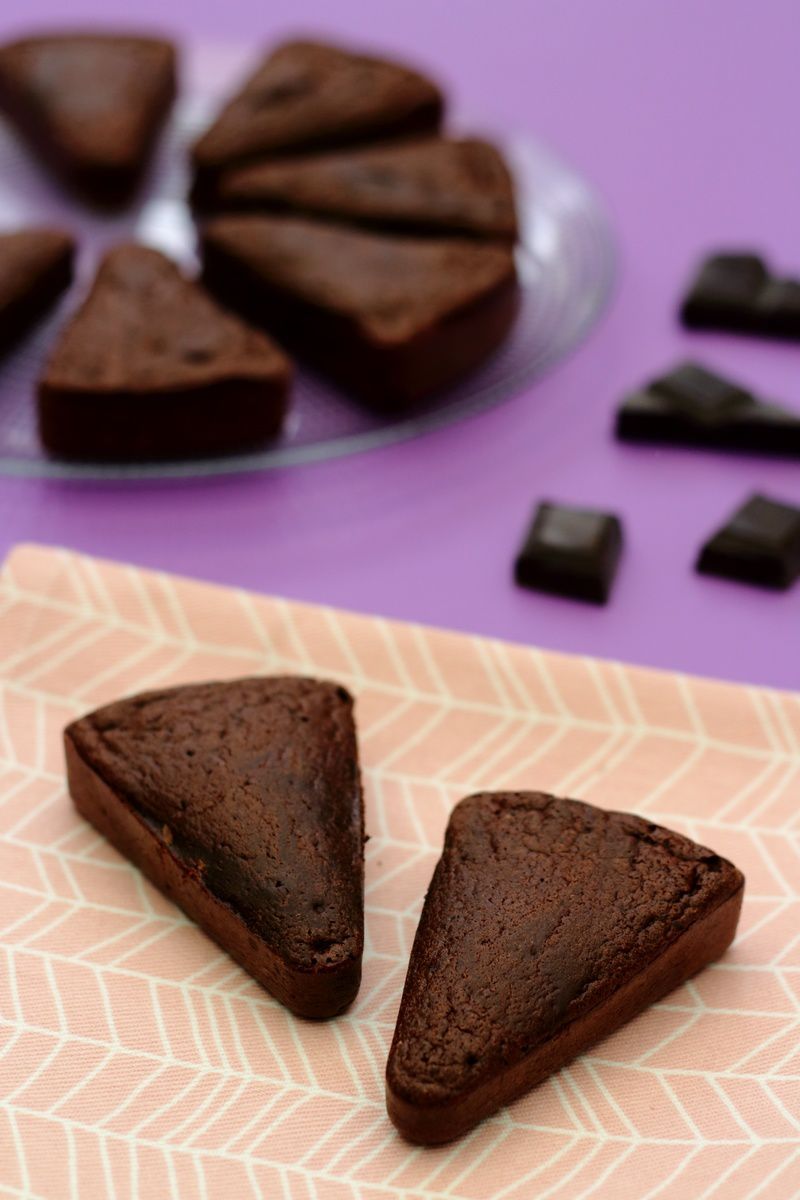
(433, 185)
(150, 367)
(35, 268)
(242, 802)
(547, 925)
(312, 96)
(391, 319)
(91, 105)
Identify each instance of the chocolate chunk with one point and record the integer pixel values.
(760, 544)
(242, 801)
(725, 292)
(390, 319)
(570, 552)
(35, 268)
(692, 406)
(779, 308)
(151, 367)
(91, 105)
(737, 293)
(547, 925)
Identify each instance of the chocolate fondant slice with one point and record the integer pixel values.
(391, 319)
(242, 802)
(35, 268)
(692, 406)
(311, 96)
(91, 105)
(435, 185)
(151, 367)
(547, 925)
(759, 544)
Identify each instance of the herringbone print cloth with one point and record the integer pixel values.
(136, 1060)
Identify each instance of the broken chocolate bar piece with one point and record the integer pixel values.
(760, 544)
(570, 552)
(738, 293)
(692, 406)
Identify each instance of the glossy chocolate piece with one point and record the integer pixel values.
(570, 552)
(738, 293)
(692, 406)
(760, 544)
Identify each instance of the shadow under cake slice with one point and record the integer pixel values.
(91, 105)
(390, 319)
(35, 268)
(242, 802)
(308, 95)
(433, 185)
(150, 367)
(547, 925)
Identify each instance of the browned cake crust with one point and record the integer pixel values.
(151, 367)
(547, 925)
(390, 319)
(35, 268)
(435, 185)
(312, 96)
(91, 105)
(242, 802)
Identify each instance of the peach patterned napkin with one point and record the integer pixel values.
(136, 1060)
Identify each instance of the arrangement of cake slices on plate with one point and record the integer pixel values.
(334, 216)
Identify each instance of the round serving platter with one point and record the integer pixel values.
(565, 260)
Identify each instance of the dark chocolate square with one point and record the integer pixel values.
(725, 292)
(570, 552)
(779, 308)
(691, 406)
(700, 393)
(760, 544)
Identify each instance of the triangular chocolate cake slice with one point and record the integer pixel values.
(242, 802)
(434, 185)
(35, 268)
(312, 96)
(92, 106)
(150, 367)
(391, 319)
(547, 925)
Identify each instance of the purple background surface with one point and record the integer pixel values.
(682, 113)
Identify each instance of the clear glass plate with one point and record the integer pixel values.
(565, 260)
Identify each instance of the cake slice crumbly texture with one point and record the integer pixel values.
(91, 105)
(35, 268)
(391, 319)
(150, 367)
(431, 185)
(308, 95)
(242, 802)
(547, 925)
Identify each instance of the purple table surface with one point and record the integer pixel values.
(682, 114)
